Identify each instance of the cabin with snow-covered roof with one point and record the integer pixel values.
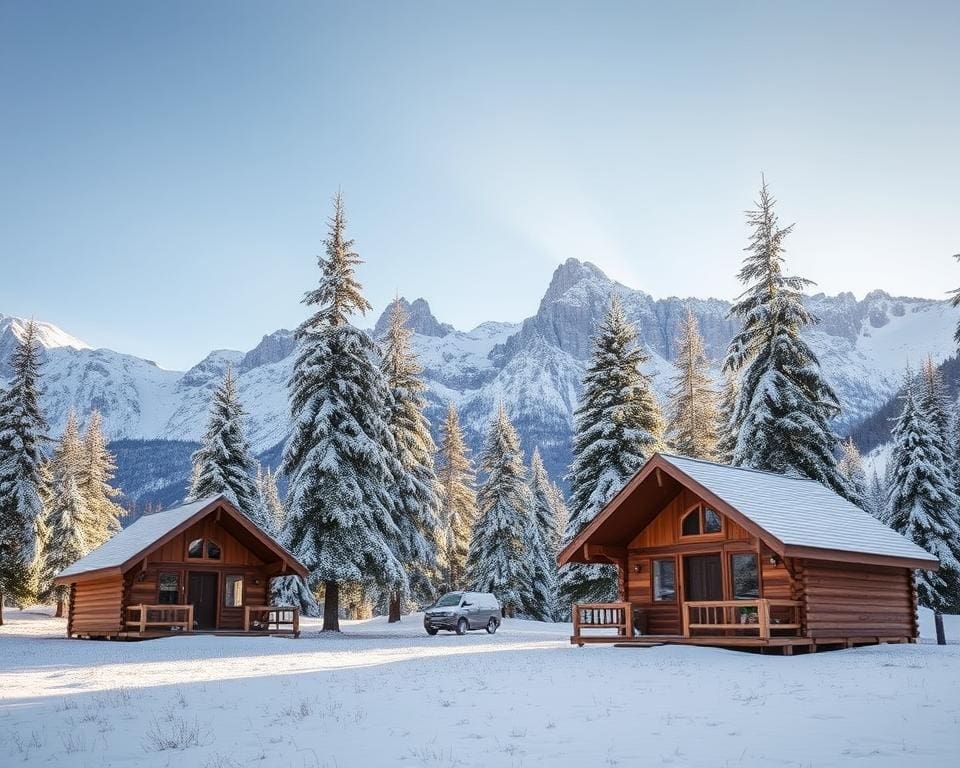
(709, 554)
(200, 567)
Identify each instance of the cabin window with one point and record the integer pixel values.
(701, 520)
(691, 523)
(169, 589)
(200, 549)
(234, 592)
(745, 576)
(664, 581)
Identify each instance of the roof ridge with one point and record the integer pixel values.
(743, 469)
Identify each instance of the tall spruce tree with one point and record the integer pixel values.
(458, 499)
(542, 542)
(784, 404)
(338, 456)
(851, 467)
(268, 501)
(415, 486)
(933, 401)
(98, 468)
(71, 523)
(22, 429)
(726, 427)
(692, 429)
(224, 463)
(498, 547)
(617, 426)
(877, 497)
(921, 503)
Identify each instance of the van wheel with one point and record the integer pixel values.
(462, 627)
(492, 626)
(431, 630)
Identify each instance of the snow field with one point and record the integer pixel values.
(383, 695)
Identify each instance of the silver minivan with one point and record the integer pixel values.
(461, 611)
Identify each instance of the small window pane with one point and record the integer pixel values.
(234, 595)
(711, 521)
(691, 524)
(664, 580)
(746, 583)
(195, 549)
(169, 589)
(213, 550)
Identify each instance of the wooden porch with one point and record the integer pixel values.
(761, 623)
(143, 622)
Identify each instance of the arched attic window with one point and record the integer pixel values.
(701, 520)
(203, 549)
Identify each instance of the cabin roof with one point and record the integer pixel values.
(151, 530)
(795, 516)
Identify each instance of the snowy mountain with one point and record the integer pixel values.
(534, 367)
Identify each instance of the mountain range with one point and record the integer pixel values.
(155, 416)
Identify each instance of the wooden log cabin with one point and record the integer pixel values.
(200, 567)
(709, 554)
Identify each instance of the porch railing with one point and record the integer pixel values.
(601, 616)
(272, 618)
(762, 616)
(165, 616)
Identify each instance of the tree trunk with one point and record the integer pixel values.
(1, 609)
(331, 606)
(394, 613)
(59, 613)
(938, 621)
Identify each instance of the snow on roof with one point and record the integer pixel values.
(799, 511)
(137, 537)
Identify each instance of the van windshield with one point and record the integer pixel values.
(449, 599)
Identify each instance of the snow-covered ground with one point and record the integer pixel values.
(384, 695)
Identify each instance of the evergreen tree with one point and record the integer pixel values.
(458, 500)
(22, 428)
(693, 425)
(851, 467)
(339, 455)
(69, 520)
(726, 428)
(933, 401)
(542, 541)
(955, 302)
(224, 463)
(273, 515)
(498, 547)
(98, 468)
(921, 504)
(617, 427)
(876, 500)
(784, 405)
(416, 502)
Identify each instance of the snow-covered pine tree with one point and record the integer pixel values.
(693, 419)
(877, 497)
(98, 468)
(726, 428)
(497, 561)
(69, 520)
(338, 457)
(458, 499)
(415, 487)
(542, 542)
(560, 516)
(268, 502)
(784, 404)
(224, 463)
(22, 429)
(921, 504)
(955, 302)
(851, 467)
(617, 427)
(932, 399)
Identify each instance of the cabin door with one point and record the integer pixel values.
(202, 595)
(702, 577)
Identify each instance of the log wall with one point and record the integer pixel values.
(96, 607)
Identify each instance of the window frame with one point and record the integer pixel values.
(243, 589)
(653, 580)
(160, 591)
(205, 550)
(700, 510)
(731, 570)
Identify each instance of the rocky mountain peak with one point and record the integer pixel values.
(419, 319)
(272, 348)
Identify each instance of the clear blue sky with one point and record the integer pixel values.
(166, 168)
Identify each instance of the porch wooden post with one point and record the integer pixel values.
(296, 622)
(576, 621)
(763, 616)
(190, 618)
(685, 615)
(246, 618)
(143, 618)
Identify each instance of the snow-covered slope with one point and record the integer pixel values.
(534, 367)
